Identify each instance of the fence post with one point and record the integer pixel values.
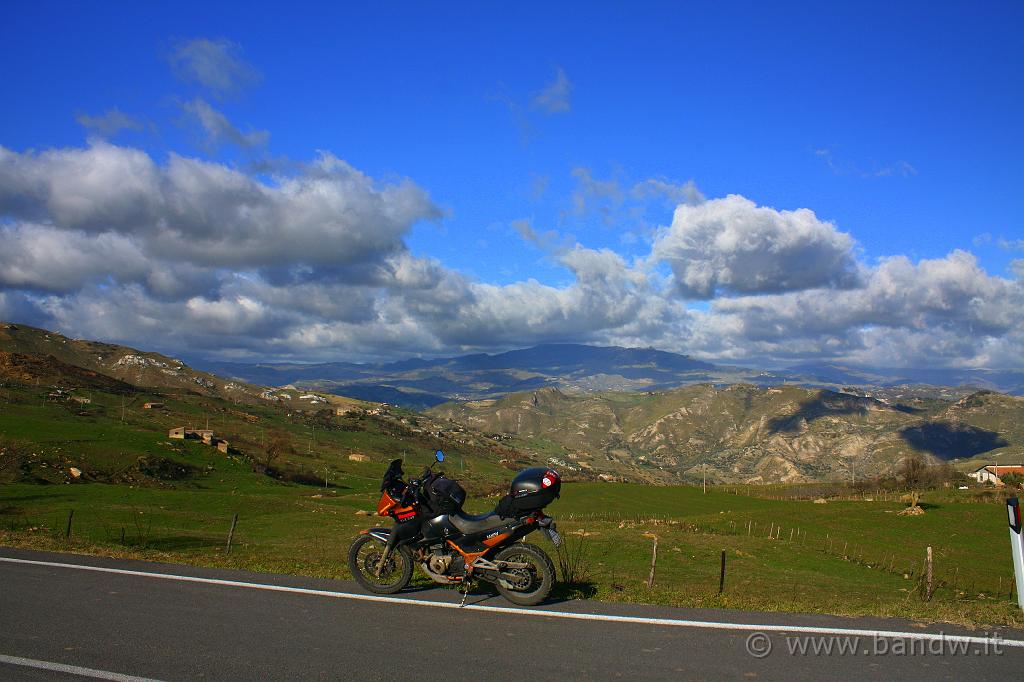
(67, 531)
(721, 575)
(231, 533)
(654, 559)
(930, 587)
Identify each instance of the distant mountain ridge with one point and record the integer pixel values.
(419, 383)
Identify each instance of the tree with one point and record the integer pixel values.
(279, 444)
(912, 470)
(1012, 479)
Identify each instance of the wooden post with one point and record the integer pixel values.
(791, 531)
(654, 560)
(231, 533)
(721, 575)
(930, 588)
(67, 531)
(122, 536)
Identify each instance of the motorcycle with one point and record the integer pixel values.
(454, 548)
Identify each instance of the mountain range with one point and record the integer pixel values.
(637, 414)
(580, 369)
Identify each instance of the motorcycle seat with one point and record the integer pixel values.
(468, 523)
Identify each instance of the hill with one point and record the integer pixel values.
(129, 365)
(751, 434)
(68, 403)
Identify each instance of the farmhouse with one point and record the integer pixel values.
(993, 473)
(152, 406)
(205, 435)
(199, 434)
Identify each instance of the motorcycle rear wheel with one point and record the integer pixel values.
(364, 556)
(531, 585)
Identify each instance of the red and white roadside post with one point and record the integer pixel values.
(1016, 546)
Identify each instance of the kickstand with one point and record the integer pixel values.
(465, 593)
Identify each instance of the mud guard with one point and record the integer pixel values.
(378, 534)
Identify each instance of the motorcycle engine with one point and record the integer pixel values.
(440, 563)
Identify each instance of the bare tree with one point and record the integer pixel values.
(279, 444)
(912, 470)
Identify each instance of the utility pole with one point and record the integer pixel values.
(704, 481)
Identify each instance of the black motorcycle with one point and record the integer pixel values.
(453, 547)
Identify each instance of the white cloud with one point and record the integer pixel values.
(555, 98)
(216, 65)
(43, 258)
(106, 242)
(733, 246)
(326, 214)
(948, 310)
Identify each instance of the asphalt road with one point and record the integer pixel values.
(124, 624)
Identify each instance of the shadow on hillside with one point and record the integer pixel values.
(826, 404)
(948, 441)
(906, 409)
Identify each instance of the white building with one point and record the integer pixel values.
(993, 473)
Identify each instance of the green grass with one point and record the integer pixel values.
(294, 529)
(843, 557)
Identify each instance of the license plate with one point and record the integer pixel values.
(553, 535)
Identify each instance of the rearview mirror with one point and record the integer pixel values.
(439, 456)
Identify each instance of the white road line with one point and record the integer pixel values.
(708, 625)
(72, 669)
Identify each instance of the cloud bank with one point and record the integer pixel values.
(106, 241)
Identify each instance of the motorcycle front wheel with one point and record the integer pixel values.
(532, 584)
(364, 559)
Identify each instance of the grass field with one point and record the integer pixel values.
(842, 557)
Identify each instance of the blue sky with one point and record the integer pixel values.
(535, 132)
